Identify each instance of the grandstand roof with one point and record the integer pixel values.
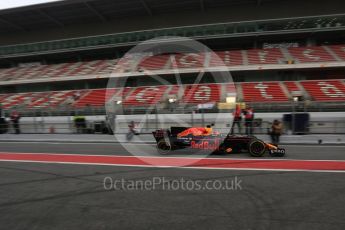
(65, 13)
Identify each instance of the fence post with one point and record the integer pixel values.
(192, 118)
(146, 122)
(203, 118)
(156, 117)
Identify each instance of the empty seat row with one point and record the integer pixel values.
(330, 53)
(316, 90)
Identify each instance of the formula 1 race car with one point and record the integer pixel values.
(186, 137)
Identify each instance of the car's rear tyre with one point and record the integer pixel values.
(256, 148)
(163, 148)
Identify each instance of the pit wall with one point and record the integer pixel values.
(320, 122)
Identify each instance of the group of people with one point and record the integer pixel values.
(248, 113)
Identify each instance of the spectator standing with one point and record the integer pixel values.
(276, 131)
(237, 119)
(15, 121)
(249, 118)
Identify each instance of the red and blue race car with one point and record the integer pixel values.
(201, 138)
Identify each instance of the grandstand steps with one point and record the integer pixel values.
(305, 94)
(287, 55)
(239, 95)
(245, 57)
(332, 53)
(295, 89)
(173, 91)
(285, 90)
(207, 59)
(339, 50)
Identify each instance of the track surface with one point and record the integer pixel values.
(307, 152)
(60, 196)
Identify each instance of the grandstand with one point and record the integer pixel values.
(289, 58)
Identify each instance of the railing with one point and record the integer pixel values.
(232, 29)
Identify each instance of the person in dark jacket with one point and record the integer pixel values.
(276, 131)
(15, 121)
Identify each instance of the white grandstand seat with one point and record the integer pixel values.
(153, 62)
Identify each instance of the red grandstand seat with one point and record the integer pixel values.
(264, 56)
(94, 97)
(157, 62)
(226, 58)
(311, 54)
(202, 93)
(58, 70)
(263, 91)
(146, 95)
(319, 90)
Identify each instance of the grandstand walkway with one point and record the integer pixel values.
(148, 138)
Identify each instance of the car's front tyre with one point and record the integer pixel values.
(256, 148)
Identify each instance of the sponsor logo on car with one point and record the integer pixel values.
(206, 144)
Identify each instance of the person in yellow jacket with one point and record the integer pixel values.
(80, 123)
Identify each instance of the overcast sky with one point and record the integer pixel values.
(5, 4)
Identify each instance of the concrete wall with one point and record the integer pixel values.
(280, 9)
